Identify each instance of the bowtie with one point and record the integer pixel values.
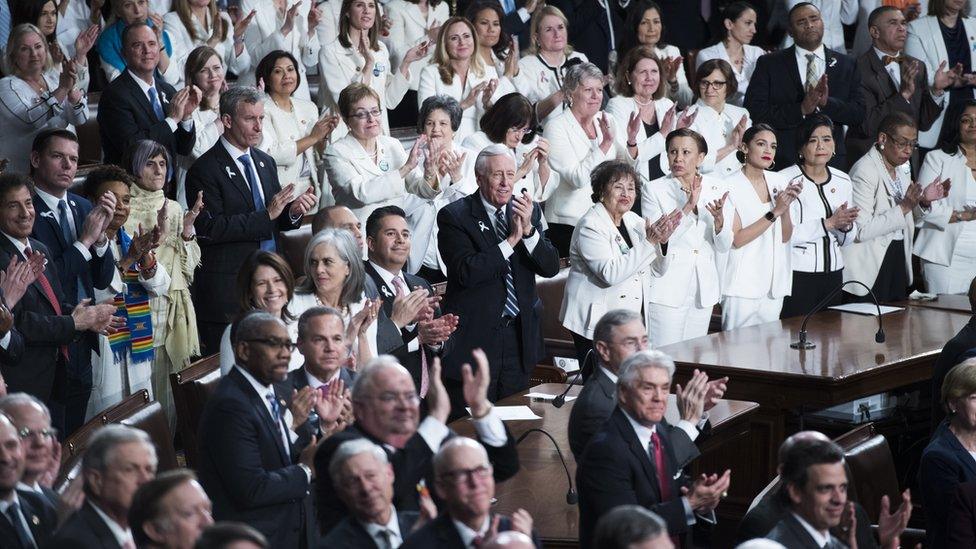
(888, 59)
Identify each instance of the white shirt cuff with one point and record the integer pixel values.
(433, 432)
(689, 512)
(84, 251)
(100, 250)
(5, 340)
(506, 249)
(491, 430)
(186, 125)
(531, 241)
(689, 428)
(172, 123)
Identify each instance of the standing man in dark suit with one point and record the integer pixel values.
(253, 466)
(638, 457)
(954, 352)
(139, 104)
(892, 81)
(802, 79)
(33, 422)
(244, 208)
(74, 233)
(494, 246)
(26, 518)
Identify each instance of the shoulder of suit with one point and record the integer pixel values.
(79, 200)
(839, 174)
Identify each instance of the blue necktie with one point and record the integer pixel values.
(4, 22)
(277, 417)
(245, 160)
(511, 299)
(13, 515)
(509, 6)
(156, 105)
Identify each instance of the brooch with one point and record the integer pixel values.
(481, 226)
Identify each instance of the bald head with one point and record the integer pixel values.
(339, 217)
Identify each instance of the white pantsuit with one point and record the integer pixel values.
(716, 127)
(648, 146)
(282, 130)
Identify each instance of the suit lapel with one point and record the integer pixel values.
(480, 217)
(257, 402)
(792, 68)
(637, 449)
(229, 166)
(265, 174)
(33, 519)
(388, 293)
(885, 83)
(140, 95)
(98, 527)
(49, 219)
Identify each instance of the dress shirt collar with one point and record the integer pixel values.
(819, 52)
(21, 246)
(643, 433)
(374, 530)
(467, 534)
(258, 386)
(881, 54)
(5, 503)
(612, 376)
(143, 85)
(820, 538)
(315, 383)
(121, 535)
(234, 152)
(491, 209)
(387, 276)
(35, 488)
(49, 199)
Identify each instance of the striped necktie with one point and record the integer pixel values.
(511, 299)
(811, 71)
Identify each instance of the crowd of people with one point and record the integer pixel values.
(157, 154)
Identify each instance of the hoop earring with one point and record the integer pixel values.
(772, 164)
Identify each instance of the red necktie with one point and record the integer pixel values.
(52, 299)
(662, 471)
(401, 290)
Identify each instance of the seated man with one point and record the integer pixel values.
(465, 485)
(611, 474)
(33, 422)
(631, 526)
(387, 411)
(118, 460)
(170, 511)
(26, 518)
(339, 217)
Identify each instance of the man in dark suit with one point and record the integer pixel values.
(494, 246)
(139, 104)
(805, 78)
(465, 485)
(406, 298)
(363, 478)
(74, 233)
(118, 460)
(387, 412)
(954, 352)
(892, 81)
(170, 510)
(244, 208)
(43, 316)
(592, 28)
(638, 458)
(252, 467)
(33, 421)
(26, 518)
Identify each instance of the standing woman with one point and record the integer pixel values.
(947, 244)
(542, 70)
(205, 70)
(680, 303)
(287, 25)
(736, 48)
(293, 129)
(358, 56)
(412, 23)
(458, 71)
(645, 23)
(758, 274)
(823, 217)
(495, 46)
(194, 23)
(720, 123)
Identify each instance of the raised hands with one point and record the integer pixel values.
(735, 136)
(475, 384)
(945, 77)
(414, 54)
(715, 207)
(606, 132)
(452, 162)
(304, 203)
(691, 397)
(97, 220)
(694, 194)
(437, 330)
(289, 17)
(190, 217)
(409, 308)
(324, 126)
(413, 157)
(671, 68)
(816, 96)
(240, 23)
(474, 94)
(936, 190)
(843, 218)
(488, 93)
(909, 71)
(84, 43)
(95, 318)
(511, 62)
(784, 198)
(18, 275)
(707, 491)
(661, 230)
(891, 525)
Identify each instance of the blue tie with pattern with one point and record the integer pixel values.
(245, 160)
(509, 6)
(511, 299)
(156, 105)
(4, 22)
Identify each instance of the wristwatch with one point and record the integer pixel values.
(770, 216)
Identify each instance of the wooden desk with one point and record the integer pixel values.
(540, 486)
(945, 302)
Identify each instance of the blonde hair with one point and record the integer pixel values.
(536, 22)
(443, 61)
(182, 9)
(16, 34)
(960, 382)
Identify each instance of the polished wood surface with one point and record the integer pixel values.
(946, 302)
(540, 487)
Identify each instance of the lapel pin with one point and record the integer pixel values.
(678, 474)
(48, 214)
(35, 520)
(832, 62)
(386, 291)
(481, 225)
(714, 187)
(833, 190)
(229, 173)
(260, 163)
(72, 203)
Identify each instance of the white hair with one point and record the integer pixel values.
(481, 163)
(630, 369)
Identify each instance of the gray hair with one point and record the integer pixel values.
(363, 383)
(350, 449)
(101, 446)
(252, 325)
(15, 400)
(142, 152)
(761, 543)
(495, 149)
(631, 368)
(444, 103)
(627, 525)
(577, 74)
(316, 312)
(509, 539)
(611, 320)
(234, 96)
(444, 453)
(345, 244)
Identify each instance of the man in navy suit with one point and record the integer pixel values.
(244, 208)
(253, 466)
(74, 233)
(33, 421)
(638, 458)
(494, 246)
(817, 79)
(26, 519)
(139, 104)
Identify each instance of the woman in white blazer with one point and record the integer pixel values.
(581, 138)
(758, 274)
(614, 256)
(205, 70)
(889, 202)
(823, 217)
(645, 25)
(718, 121)
(946, 243)
(359, 56)
(195, 23)
(542, 70)
(282, 25)
(458, 71)
(927, 40)
(293, 129)
(739, 20)
(413, 22)
(495, 46)
(509, 122)
(680, 303)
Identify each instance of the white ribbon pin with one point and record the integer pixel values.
(481, 226)
(386, 292)
(229, 173)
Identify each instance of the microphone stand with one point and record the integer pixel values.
(571, 497)
(561, 399)
(802, 343)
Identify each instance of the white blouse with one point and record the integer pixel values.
(716, 127)
(750, 54)
(208, 129)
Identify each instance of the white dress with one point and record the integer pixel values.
(751, 55)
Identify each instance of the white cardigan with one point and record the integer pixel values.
(695, 251)
(536, 80)
(282, 130)
(431, 84)
(647, 146)
(936, 239)
(604, 274)
(409, 28)
(183, 44)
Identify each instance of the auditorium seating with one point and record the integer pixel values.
(293, 245)
(192, 386)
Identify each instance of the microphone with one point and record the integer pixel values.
(561, 399)
(571, 497)
(802, 342)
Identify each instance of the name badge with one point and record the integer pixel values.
(384, 166)
(378, 69)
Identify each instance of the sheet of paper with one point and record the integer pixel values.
(513, 413)
(547, 396)
(865, 309)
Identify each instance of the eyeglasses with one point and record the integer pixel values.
(405, 397)
(902, 143)
(716, 85)
(274, 343)
(50, 432)
(520, 131)
(366, 115)
(459, 476)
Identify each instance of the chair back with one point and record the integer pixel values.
(558, 340)
(293, 244)
(192, 386)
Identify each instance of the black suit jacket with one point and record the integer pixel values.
(298, 380)
(246, 471)
(951, 355)
(41, 518)
(229, 228)
(792, 534)
(84, 529)
(41, 365)
(590, 410)
(14, 353)
(125, 116)
(476, 281)
(442, 534)
(589, 31)
(962, 517)
(350, 534)
(617, 470)
(945, 465)
(411, 464)
(776, 91)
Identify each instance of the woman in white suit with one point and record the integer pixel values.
(945, 36)
(282, 25)
(358, 56)
(946, 243)
(680, 303)
(614, 255)
(413, 22)
(644, 23)
(758, 274)
(736, 48)
(204, 69)
(719, 122)
(581, 138)
(194, 23)
(542, 70)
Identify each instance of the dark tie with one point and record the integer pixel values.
(888, 59)
(69, 238)
(13, 515)
(245, 160)
(509, 6)
(277, 417)
(52, 298)
(156, 105)
(511, 299)
(662, 469)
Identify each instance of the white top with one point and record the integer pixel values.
(683, 96)
(716, 127)
(815, 248)
(537, 80)
(183, 44)
(937, 238)
(264, 36)
(751, 55)
(835, 14)
(648, 146)
(432, 84)
(409, 28)
(282, 130)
